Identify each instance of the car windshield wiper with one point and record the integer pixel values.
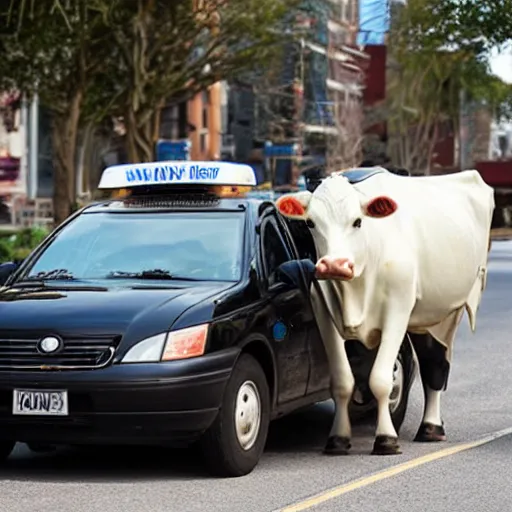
(39, 279)
(50, 275)
(164, 275)
(42, 278)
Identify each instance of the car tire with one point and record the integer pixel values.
(6, 448)
(366, 406)
(234, 443)
(399, 403)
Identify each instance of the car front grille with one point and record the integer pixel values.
(23, 352)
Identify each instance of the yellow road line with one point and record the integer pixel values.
(392, 471)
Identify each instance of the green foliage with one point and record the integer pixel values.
(426, 42)
(19, 245)
(50, 47)
(169, 51)
(433, 58)
(475, 25)
(129, 58)
(89, 60)
(5, 251)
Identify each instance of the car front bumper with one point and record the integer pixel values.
(151, 403)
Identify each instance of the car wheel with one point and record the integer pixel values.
(399, 396)
(6, 448)
(363, 403)
(233, 445)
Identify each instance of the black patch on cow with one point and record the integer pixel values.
(358, 175)
(434, 368)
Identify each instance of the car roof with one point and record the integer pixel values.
(160, 204)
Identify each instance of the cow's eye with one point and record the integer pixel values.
(310, 224)
(357, 223)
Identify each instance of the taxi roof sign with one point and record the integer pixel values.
(177, 173)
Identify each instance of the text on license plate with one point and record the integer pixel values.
(40, 402)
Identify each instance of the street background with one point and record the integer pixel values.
(297, 89)
(293, 467)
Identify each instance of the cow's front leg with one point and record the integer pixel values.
(342, 381)
(342, 387)
(381, 384)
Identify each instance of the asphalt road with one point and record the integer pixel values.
(293, 469)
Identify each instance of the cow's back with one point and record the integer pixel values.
(443, 223)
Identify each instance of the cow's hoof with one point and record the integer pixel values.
(386, 445)
(337, 445)
(429, 433)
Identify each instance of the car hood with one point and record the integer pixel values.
(119, 310)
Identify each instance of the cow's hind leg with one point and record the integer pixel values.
(434, 370)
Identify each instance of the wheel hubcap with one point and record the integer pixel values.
(397, 390)
(247, 414)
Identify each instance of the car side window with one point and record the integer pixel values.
(303, 239)
(274, 250)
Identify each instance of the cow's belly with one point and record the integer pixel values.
(443, 290)
(428, 315)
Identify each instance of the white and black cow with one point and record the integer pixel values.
(396, 254)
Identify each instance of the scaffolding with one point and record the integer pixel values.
(315, 99)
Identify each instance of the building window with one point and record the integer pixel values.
(274, 250)
(169, 122)
(203, 141)
(205, 118)
(174, 121)
(345, 11)
(205, 103)
(183, 118)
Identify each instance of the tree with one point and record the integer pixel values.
(170, 51)
(427, 72)
(344, 144)
(93, 59)
(423, 95)
(54, 49)
(462, 24)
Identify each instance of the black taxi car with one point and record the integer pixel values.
(177, 313)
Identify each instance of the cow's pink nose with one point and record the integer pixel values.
(334, 268)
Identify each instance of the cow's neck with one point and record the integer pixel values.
(352, 301)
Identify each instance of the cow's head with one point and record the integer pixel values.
(337, 215)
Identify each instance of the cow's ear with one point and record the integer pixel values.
(379, 207)
(294, 206)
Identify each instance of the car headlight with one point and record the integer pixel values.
(169, 346)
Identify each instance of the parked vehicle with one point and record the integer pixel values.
(178, 313)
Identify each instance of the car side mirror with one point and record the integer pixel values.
(297, 273)
(6, 270)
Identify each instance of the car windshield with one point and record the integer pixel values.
(193, 246)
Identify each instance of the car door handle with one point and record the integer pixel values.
(288, 299)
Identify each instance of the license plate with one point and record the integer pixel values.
(40, 403)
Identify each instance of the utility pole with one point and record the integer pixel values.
(33, 149)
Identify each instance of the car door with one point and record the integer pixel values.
(287, 314)
(319, 377)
